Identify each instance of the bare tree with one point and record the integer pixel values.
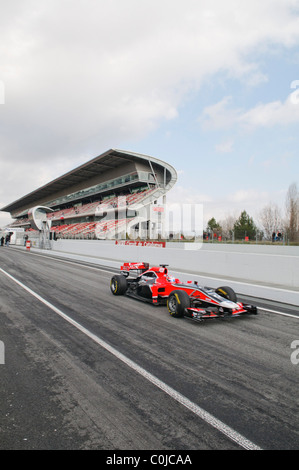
(292, 213)
(227, 225)
(271, 220)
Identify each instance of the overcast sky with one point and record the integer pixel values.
(211, 87)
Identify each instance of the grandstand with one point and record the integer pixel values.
(114, 195)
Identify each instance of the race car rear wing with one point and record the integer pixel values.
(126, 267)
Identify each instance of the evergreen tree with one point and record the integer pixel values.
(213, 226)
(245, 227)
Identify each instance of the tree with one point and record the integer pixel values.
(245, 227)
(292, 213)
(213, 226)
(227, 225)
(270, 219)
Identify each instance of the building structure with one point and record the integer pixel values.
(114, 195)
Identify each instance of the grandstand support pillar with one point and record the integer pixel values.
(154, 174)
(44, 239)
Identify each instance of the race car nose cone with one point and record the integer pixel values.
(229, 304)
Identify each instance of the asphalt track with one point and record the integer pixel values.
(84, 369)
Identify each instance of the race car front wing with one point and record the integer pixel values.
(201, 314)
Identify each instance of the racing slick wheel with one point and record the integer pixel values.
(227, 292)
(118, 285)
(177, 302)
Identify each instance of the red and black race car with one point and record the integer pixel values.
(157, 286)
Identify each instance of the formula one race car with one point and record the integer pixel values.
(156, 286)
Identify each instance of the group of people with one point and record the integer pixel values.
(6, 239)
(277, 236)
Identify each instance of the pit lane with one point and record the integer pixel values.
(62, 390)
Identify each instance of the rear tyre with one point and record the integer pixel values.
(177, 302)
(118, 285)
(227, 293)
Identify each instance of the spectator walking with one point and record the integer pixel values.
(7, 239)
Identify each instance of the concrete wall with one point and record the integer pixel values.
(250, 269)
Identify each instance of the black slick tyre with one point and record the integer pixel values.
(118, 285)
(227, 293)
(177, 302)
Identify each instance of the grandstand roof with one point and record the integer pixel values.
(109, 160)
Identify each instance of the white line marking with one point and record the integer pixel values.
(279, 313)
(70, 261)
(197, 410)
(213, 278)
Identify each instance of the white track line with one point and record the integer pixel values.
(278, 313)
(197, 410)
(76, 262)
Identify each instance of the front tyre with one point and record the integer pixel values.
(177, 302)
(227, 293)
(118, 285)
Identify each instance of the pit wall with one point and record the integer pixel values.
(271, 272)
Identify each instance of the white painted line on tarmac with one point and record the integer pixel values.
(222, 279)
(197, 410)
(75, 262)
(278, 313)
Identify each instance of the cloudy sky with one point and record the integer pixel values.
(211, 87)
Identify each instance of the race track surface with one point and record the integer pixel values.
(84, 369)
